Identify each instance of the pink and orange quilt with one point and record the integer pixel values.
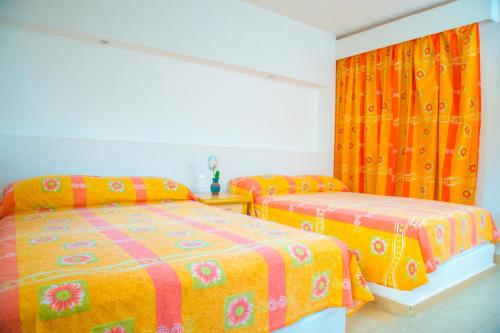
(397, 240)
(71, 261)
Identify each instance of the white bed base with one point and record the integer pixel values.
(331, 320)
(452, 273)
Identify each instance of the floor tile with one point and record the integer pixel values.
(459, 311)
(420, 325)
(361, 324)
(492, 326)
(381, 316)
(474, 309)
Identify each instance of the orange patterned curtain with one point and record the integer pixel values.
(408, 118)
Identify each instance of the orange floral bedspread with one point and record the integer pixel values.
(178, 266)
(397, 240)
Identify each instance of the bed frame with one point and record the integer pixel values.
(450, 277)
(331, 320)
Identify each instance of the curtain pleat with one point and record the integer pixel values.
(408, 117)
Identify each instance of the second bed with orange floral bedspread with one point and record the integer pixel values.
(177, 266)
(397, 240)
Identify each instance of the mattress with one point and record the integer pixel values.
(176, 266)
(397, 240)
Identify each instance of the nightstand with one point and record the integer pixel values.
(232, 202)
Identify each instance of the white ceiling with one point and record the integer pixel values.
(346, 17)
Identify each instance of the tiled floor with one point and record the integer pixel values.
(476, 309)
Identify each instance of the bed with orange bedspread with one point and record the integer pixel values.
(92, 254)
(397, 240)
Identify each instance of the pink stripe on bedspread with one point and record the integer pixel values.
(473, 232)
(140, 189)
(321, 185)
(291, 183)
(453, 235)
(496, 236)
(426, 250)
(275, 266)
(10, 320)
(346, 256)
(374, 221)
(165, 280)
(79, 191)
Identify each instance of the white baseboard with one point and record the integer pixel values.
(455, 273)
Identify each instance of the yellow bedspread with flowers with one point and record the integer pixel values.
(126, 264)
(397, 240)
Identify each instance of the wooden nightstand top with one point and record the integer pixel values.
(222, 198)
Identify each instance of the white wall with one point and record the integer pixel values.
(67, 88)
(442, 18)
(69, 104)
(488, 186)
(23, 156)
(227, 31)
(457, 13)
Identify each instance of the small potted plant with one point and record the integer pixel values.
(215, 186)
